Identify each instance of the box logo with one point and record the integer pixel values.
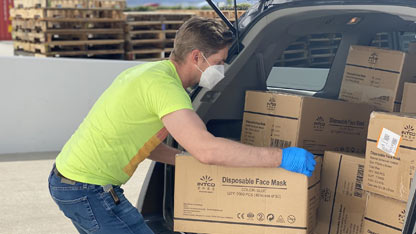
(271, 104)
(319, 124)
(402, 216)
(205, 184)
(373, 58)
(408, 133)
(206, 181)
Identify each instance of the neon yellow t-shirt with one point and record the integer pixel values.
(124, 125)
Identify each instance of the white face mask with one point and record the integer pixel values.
(211, 76)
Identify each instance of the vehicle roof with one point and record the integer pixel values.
(263, 7)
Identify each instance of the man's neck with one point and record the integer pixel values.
(183, 72)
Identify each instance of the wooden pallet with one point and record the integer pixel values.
(148, 44)
(72, 48)
(67, 14)
(95, 55)
(382, 40)
(139, 42)
(157, 16)
(316, 50)
(68, 35)
(154, 25)
(150, 35)
(229, 14)
(146, 54)
(109, 4)
(23, 25)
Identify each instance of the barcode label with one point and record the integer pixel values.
(388, 142)
(358, 191)
(280, 143)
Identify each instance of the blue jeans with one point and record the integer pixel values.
(92, 210)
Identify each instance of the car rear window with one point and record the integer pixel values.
(305, 63)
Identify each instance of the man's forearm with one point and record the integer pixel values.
(230, 153)
(164, 154)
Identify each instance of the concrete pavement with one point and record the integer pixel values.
(26, 204)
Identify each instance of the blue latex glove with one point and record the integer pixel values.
(298, 160)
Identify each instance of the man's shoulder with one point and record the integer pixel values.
(154, 67)
(152, 70)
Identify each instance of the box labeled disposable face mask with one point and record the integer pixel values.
(343, 200)
(391, 154)
(384, 215)
(377, 76)
(316, 124)
(217, 199)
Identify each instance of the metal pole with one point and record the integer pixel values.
(221, 15)
(236, 26)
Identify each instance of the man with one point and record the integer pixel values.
(130, 120)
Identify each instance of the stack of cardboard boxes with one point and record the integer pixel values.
(389, 169)
(214, 199)
(385, 79)
(367, 165)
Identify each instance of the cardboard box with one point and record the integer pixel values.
(316, 124)
(391, 154)
(376, 76)
(384, 215)
(216, 199)
(343, 201)
(409, 98)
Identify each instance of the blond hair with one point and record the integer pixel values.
(206, 35)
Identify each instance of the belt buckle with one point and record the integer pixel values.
(66, 181)
(63, 179)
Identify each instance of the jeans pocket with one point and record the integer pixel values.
(79, 211)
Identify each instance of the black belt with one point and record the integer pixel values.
(108, 188)
(63, 178)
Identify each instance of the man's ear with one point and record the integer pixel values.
(195, 56)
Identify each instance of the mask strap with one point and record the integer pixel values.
(198, 68)
(205, 58)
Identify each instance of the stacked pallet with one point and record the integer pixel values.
(150, 35)
(211, 14)
(318, 50)
(69, 28)
(315, 50)
(229, 14)
(109, 4)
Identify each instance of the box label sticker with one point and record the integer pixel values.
(388, 142)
